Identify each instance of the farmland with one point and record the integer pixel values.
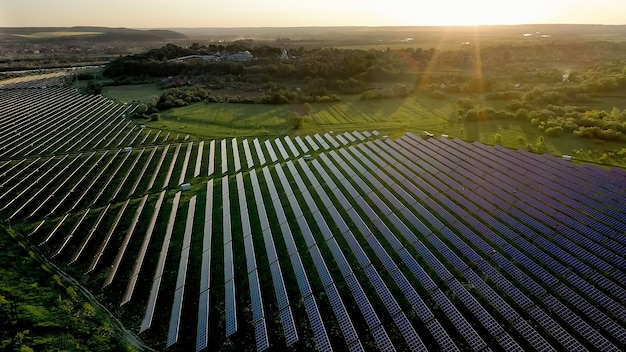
(366, 237)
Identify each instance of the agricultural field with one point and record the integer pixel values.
(221, 227)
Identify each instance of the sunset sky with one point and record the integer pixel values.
(292, 13)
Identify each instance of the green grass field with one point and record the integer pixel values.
(389, 116)
(132, 93)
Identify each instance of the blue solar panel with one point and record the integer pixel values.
(364, 205)
(434, 263)
(228, 261)
(340, 259)
(255, 297)
(263, 216)
(291, 246)
(424, 279)
(249, 249)
(320, 265)
(260, 333)
(366, 309)
(289, 327)
(230, 308)
(358, 222)
(389, 264)
(356, 249)
(277, 277)
(319, 332)
(174, 326)
(280, 214)
(301, 277)
(345, 323)
(401, 228)
(202, 335)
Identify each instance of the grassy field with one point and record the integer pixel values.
(41, 311)
(132, 93)
(226, 120)
(391, 117)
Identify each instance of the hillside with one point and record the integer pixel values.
(92, 34)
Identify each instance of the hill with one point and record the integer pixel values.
(93, 34)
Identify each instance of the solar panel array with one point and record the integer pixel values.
(374, 243)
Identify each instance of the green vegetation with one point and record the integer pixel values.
(518, 92)
(41, 311)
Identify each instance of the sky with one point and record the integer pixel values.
(296, 13)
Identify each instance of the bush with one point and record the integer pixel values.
(466, 103)
(555, 131)
(515, 105)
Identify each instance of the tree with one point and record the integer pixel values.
(93, 88)
(308, 108)
(296, 119)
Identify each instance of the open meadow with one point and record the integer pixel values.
(392, 117)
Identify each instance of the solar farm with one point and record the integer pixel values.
(333, 241)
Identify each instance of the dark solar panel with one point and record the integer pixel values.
(289, 327)
(230, 308)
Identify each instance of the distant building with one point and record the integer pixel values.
(240, 56)
(284, 55)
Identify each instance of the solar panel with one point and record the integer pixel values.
(174, 326)
(322, 142)
(345, 323)
(286, 230)
(341, 139)
(311, 142)
(260, 333)
(292, 147)
(202, 330)
(301, 277)
(340, 259)
(224, 157)
(255, 297)
(230, 307)
(319, 332)
(281, 149)
(279, 285)
(289, 327)
(236, 159)
(301, 144)
(270, 151)
(366, 309)
(249, 250)
(320, 265)
(228, 261)
(259, 151)
(356, 249)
